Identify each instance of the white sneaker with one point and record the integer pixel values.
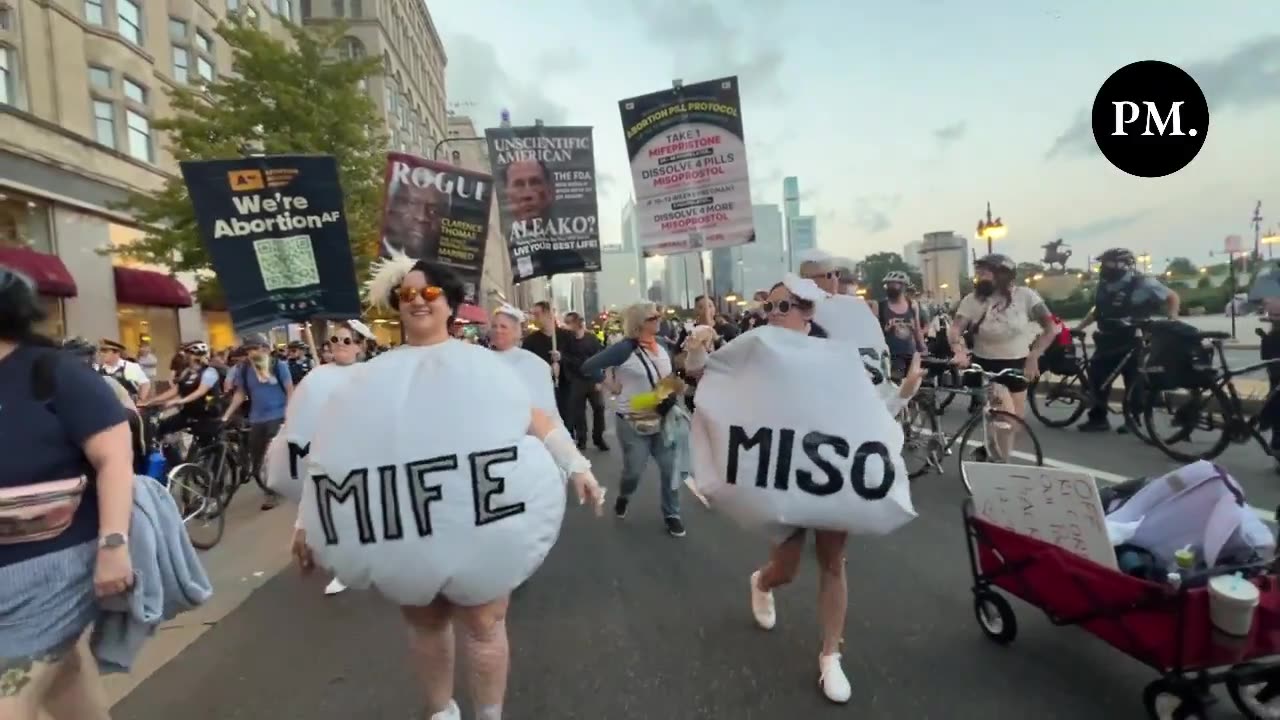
(762, 604)
(832, 679)
(334, 587)
(453, 712)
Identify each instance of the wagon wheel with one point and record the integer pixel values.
(1257, 696)
(1169, 701)
(995, 616)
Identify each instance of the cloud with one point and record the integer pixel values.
(1101, 226)
(604, 182)
(874, 213)
(1245, 79)
(559, 61)
(703, 44)
(475, 76)
(952, 133)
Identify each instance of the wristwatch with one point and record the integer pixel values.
(112, 540)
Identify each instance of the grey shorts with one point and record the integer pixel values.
(47, 602)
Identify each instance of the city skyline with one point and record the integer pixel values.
(937, 125)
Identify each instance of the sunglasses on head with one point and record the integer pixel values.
(335, 340)
(428, 293)
(782, 306)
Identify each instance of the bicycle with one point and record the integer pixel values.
(1214, 404)
(922, 431)
(1076, 388)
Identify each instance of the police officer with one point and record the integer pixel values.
(1123, 295)
(128, 373)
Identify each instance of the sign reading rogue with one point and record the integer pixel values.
(1150, 119)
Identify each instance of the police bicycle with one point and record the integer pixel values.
(986, 435)
(1065, 384)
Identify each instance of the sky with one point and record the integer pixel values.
(906, 117)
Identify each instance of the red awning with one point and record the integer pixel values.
(473, 314)
(152, 289)
(46, 271)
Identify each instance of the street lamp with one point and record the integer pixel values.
(1270, 238)
(991, 230)
(1145, 261)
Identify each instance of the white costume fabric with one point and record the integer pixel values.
(849, 319)
(535, 373)
(810, 446)
(423, 479)
(285, 473)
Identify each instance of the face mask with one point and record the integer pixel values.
(1111, 274)
(261, 362)
(893, 293)
(984, 288)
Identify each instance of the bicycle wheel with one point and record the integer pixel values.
(1136, 399)
(1058, 400)
(950, 379)
(196, 492)
(1001, 437)
(919, 433)
(1187, 411)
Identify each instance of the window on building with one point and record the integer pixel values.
(135, 92)
(233, 5)
(8, 76)
(139, 136)
(100, 77)
(251, 15)
(178, 30)
(181, 64)
(286, 9)
(203, 42)
(129, 21)
(6, 17)
(273, 6)
(205, 69)
(306, 9)
(104, 123)
(357, 8)
(351, 48)
(93, 13)
(339, 8)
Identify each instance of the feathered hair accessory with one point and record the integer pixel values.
(803, 288)
(510, 311)
(361, 328)
(387, 274)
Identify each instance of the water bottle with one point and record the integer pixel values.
(155, 466)
(1184, 561)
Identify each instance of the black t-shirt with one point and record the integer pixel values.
(539, 343)
(42, 441)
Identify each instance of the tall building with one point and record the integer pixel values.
(911, 253)
(802, 235)
(724, 272)
(944, 262)
(683, 279)
(81, 86)
(763, 262)
(621, 280)
(590, 295)
(790, 197)
(495, 282)
(410, 91)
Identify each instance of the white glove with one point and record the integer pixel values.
(565, 452)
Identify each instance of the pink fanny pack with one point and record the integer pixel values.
(39, 511)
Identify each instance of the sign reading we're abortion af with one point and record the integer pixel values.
(276, 233)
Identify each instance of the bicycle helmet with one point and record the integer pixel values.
(896, 276)
(996, 261)
(1118, 256)
(80, 347)
(19, 305)
(198, 347)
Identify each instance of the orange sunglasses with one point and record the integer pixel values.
(428, 293)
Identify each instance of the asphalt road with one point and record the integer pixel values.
(623, 622)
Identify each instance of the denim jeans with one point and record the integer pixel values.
(636, 451)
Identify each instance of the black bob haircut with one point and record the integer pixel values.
(20, 309)
(442, 277)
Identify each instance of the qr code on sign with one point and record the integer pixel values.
(286, 262)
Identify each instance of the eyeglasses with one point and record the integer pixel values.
(335, 340)
(428, 293)
(820, 276)
(782, 306)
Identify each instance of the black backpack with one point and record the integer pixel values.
(1176, 358)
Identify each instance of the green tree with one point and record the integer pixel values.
(875, 266)
(302, 98)
(1181, 267)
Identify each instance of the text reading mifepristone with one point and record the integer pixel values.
(284, 213)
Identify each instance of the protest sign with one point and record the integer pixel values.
(438, 212)
(276, 234)
(1057, 506)
(461, 501)
(811, 445)
(689, 166)
(546, 183)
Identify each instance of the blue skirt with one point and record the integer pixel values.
(47, 602)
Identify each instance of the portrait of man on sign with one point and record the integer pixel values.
(529, 191)
(413, 219)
